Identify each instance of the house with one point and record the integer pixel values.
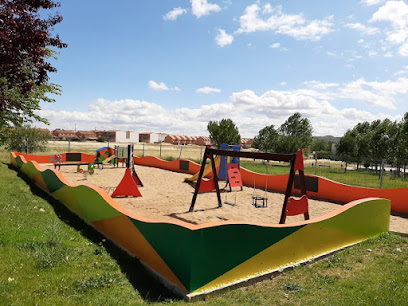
(247, 143)
(172, 139)
(64, 134)
(127, 136)
(88, 135)
(108, 135)
(152, 137)
(45, 131)
(203, 141)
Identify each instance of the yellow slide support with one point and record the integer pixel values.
(207, 170)
(108, 159)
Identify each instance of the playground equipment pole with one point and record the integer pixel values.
(385, 138)
(382, 172)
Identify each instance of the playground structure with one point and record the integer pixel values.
(194, 260)
(128, 185)
(291, 206)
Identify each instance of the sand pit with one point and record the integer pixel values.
(166, 197)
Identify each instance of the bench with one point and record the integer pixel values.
(324, 166)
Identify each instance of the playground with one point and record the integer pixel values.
(178, 217)
(166, 197)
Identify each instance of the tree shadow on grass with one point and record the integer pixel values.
(143, 280)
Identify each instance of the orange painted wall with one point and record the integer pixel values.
(46, 159)
(328, 190)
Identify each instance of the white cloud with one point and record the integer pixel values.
(175, 13)
(395, 12)
(274, 45)
(318, 101)
(372, 2)
(363, 28)
(223, 39)
(161, 86)
(208, 90)
(202, 7)
(283, 83)
(158, 86)
(293, 25)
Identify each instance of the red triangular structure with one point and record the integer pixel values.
(136, 179)
(127, 186)
(299, 161)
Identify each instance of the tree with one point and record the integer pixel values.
(363, 134)
(266, 139)
(27, 139)
(224, 131)
(294, 134)
(320, 145)
(25, 42)
(347, 147)
(380, 140)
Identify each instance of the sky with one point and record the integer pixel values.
(173, 66)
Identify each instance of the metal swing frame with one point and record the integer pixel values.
(291, 158)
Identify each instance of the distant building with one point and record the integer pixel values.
(185, 140)
(45, 131)
(203, 141)
(127, 136)
(247, 143)
(64, 134)
(108, 135)
(151, 137)
(88, 135)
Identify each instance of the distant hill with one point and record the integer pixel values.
(328, 138)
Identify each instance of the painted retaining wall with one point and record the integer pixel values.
(197, 259)
(322, 188)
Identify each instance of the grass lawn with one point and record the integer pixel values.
(50, 257)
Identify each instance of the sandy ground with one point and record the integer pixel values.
(166, 197)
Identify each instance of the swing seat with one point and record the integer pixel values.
(297, 206)
(257, 200)
(207, 186)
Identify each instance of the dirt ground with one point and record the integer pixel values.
(166, 197)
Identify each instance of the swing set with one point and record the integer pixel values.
(291, 206)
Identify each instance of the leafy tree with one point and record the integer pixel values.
(363, 134)
(294, 134)
(380, 140)
(266, 139)
(224, 131)
(320, 145)
(25, 42)
(399, 143)
(27, 139)
(347, 147)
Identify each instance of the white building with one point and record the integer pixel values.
(127, 136)
(151, 137)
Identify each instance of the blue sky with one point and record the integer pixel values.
(172, 66)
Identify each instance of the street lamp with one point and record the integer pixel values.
(384, 138)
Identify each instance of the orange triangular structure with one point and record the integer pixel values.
(127, 186)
